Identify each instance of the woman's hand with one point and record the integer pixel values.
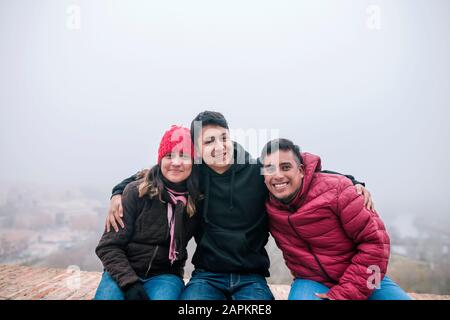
(115, 214)
(136, 292)
(368, 203)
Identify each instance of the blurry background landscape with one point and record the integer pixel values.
(88, 87)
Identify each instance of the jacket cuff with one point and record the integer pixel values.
(127, 283)
(116, 193)
(128, 286)
(361, 183)
(334, 294)
(340, 293)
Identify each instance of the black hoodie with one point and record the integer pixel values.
(234, 228)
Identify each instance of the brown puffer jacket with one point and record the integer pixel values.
(141, 249)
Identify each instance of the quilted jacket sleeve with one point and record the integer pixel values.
(372, 246)
(112, 246)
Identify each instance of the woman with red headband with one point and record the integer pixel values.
(145, 260)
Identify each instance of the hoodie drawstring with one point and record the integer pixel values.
(206, 203)
(232, 188)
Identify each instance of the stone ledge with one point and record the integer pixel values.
(37, 283)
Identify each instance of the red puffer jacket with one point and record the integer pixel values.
(327, 235)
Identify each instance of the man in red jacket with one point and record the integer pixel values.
(334, 246)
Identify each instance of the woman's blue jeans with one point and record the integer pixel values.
(160, 287)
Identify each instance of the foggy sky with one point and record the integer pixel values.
(88, 106)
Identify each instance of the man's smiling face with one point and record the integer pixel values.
(283, 174)
(215, 146)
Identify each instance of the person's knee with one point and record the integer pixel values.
(164, 287)
(201, 290)
(108, 289)
(302, 289)
(389, 290)
(190, 292)
(263, 292)
(166, 293)
(254, 292)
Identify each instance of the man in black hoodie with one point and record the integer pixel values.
(230, 259)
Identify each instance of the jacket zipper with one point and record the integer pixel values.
(324, 273)
(151, 260)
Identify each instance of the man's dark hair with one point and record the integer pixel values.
(284, 145)
(209, 118)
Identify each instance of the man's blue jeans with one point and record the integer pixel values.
(206, 285)
(306, 290)
(160, 287)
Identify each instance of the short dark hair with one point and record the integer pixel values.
(209, 118)
(284, 145)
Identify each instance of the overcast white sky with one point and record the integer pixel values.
(88, 106)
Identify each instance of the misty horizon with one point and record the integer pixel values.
(88, 88)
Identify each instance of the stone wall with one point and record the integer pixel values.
(33, 283)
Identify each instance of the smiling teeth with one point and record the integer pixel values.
(280, 185)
